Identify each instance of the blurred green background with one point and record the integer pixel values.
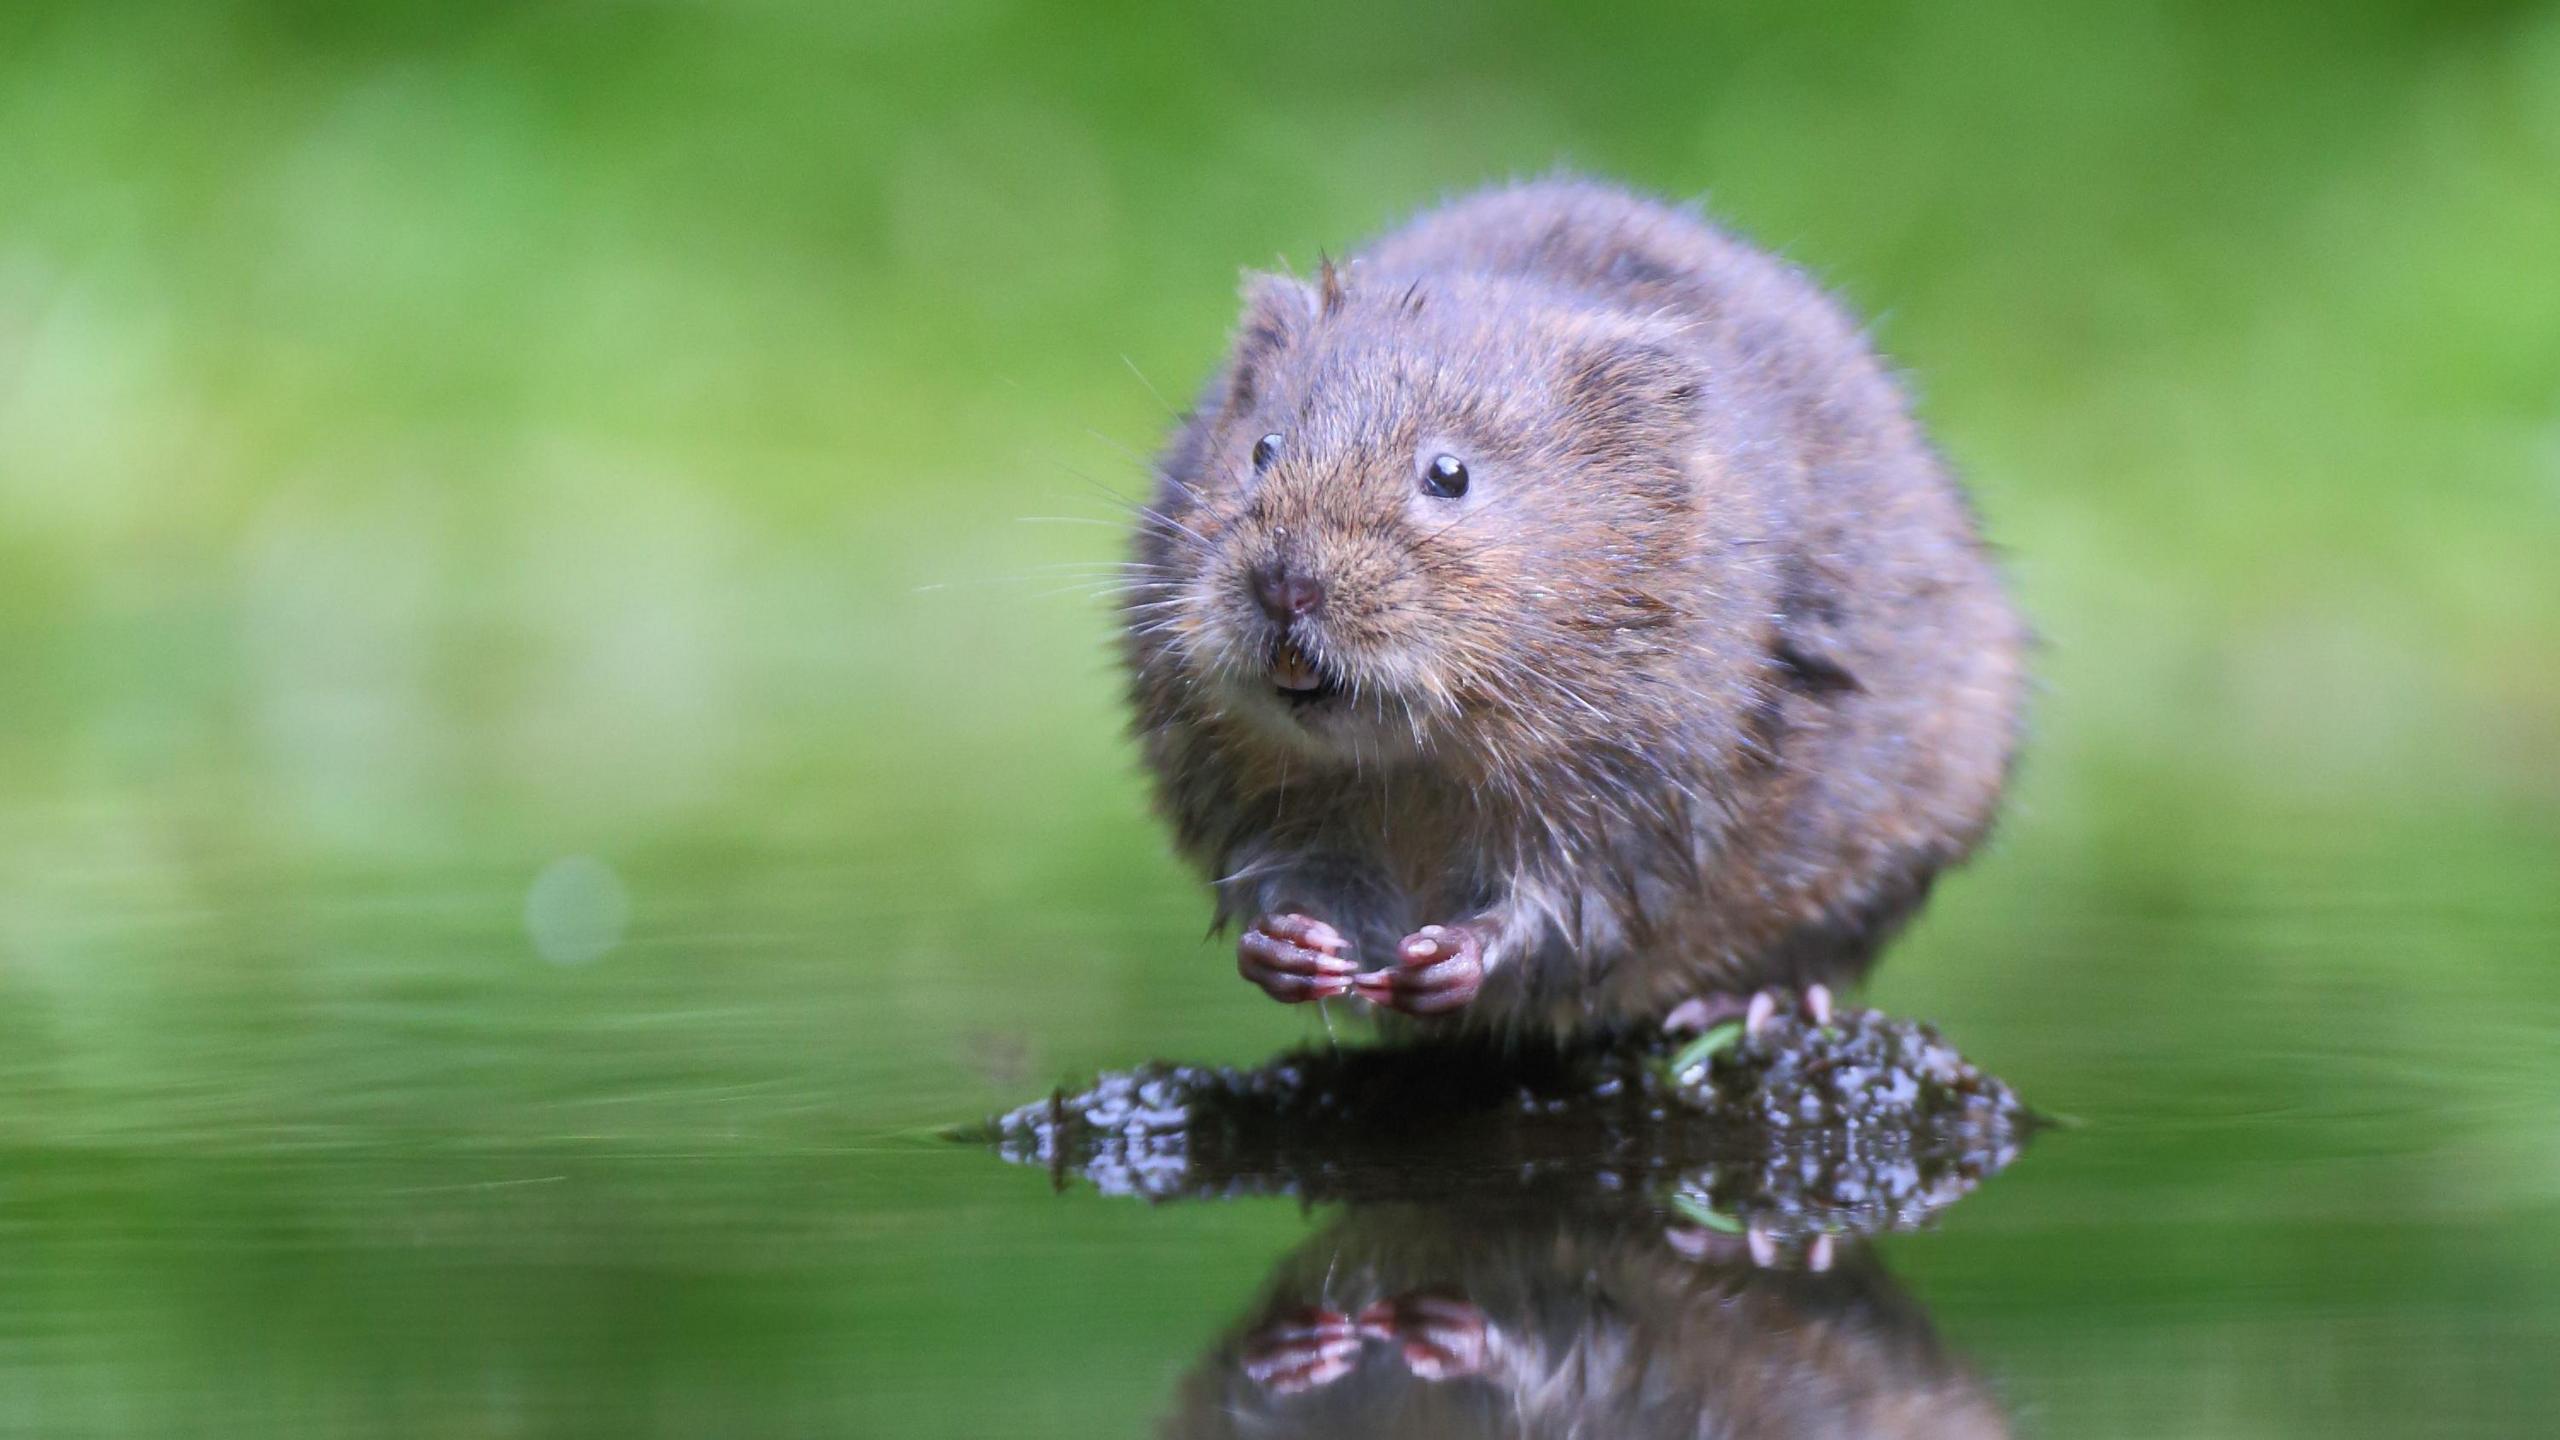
(553, 721)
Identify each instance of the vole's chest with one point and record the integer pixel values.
(1440, 852)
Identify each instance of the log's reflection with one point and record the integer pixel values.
(1512, 1319)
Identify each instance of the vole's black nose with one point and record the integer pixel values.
(1285, 592)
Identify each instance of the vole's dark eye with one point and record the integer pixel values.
(1445, 476)
(1266, 450)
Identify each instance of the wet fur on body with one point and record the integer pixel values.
(1695, 689)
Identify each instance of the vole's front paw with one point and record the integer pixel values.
(1438, 968)
(1302, 1350)
(1441, 1337)
(1295, 958)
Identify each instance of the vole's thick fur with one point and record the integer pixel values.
(1554, 614)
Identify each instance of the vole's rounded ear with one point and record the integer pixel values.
(1277, 310)
(1632, 387)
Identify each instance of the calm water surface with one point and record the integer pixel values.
(498, 1147)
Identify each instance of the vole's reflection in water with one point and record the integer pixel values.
(1462, 1321)
(1623, 1242)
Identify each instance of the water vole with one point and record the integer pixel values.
(1553, 615)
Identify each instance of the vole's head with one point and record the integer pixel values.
(1403, 506)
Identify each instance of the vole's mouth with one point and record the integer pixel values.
(1298, 678)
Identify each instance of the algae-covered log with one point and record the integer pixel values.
(1861, 1125)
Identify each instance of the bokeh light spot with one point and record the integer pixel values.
(576, 911)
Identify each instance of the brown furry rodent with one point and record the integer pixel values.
(1554, 615)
